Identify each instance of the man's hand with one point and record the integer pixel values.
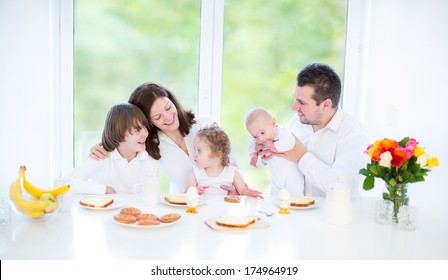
(296, 153)
(264, 153)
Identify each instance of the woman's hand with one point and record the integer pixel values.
(97, 152)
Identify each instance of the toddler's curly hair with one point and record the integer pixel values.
(218, 141)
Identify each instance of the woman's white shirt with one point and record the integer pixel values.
(93, 176)
(174, 162)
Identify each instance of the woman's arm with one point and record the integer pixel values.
(97, 152)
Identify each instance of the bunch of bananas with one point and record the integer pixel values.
(42, 201)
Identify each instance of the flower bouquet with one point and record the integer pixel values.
(397, 164)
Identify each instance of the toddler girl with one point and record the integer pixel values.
(211, 167)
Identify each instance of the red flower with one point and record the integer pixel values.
(399, 156)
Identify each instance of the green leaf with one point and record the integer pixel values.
(403, 142)
(364, 172)
(373, 168)
(392, 182)
(369, 183)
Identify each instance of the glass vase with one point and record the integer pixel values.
(398, 195)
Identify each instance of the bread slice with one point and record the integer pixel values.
(178, 199)
(297, 201)
(96, 201)
(235, 221)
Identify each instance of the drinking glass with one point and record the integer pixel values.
(5, 212)
(383, 211)
(407, 217)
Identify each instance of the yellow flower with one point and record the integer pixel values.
(374, 147)
(432, 162)
(418, 151)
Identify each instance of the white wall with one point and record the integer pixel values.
(403, 62)
(34, 90)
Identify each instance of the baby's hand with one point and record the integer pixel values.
(254, 193)
(110, 190)
(253, 159)
(202, 189)
(251, 192)
(230, 189)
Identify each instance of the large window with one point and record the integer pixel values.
(120, 44)
(265, 46)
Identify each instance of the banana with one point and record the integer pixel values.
(31, 208)
(37, 192)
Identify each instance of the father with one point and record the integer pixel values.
(330, 144)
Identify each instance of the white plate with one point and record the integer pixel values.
(201, 200)
(135, 225)
(317, 203)
(115, 205)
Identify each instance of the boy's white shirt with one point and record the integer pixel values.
(92, 176)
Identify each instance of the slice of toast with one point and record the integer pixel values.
(235, 221)
(178, 199)
(96, 201)
(297, 201)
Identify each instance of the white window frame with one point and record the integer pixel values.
(62, 77)
(210, 58)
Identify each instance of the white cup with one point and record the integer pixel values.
(338, 205)
(148, 190)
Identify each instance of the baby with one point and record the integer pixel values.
(212, 168)
(285, 174)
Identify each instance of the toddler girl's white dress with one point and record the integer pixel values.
(214, 183)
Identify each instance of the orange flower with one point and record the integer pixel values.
(399, 156)
(388, 144)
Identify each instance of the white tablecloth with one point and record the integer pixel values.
(91, 234)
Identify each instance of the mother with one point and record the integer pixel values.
(171, 133)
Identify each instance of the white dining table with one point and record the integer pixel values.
(84, 234)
